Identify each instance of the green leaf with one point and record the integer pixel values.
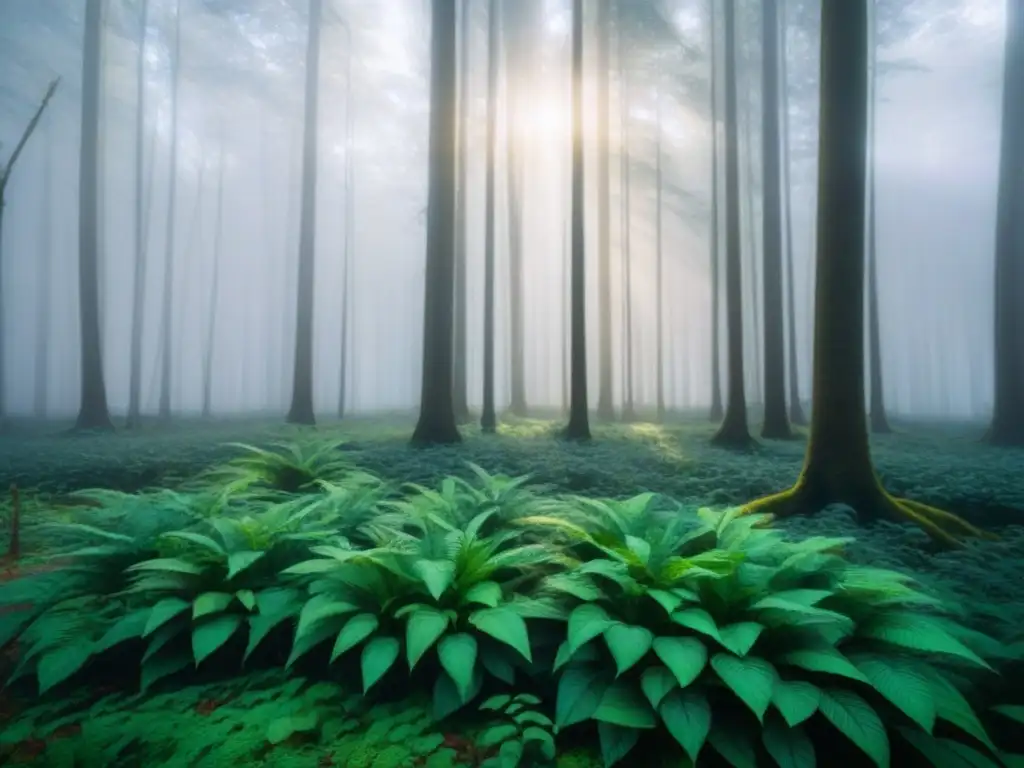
(533, 717)
(209, 603)
(485, 593)
(378, 656)
(1012, 711)
(424, 626)
(947, 753)
(496, 703)
(954, 708)
(167, 565)
(586, 622)
(750, 678)
(437, 575)
(510, 753)
(788, 746)
(282, 728)
(247, 598)
(827, 660)
(684, 656)
(698, 620)
(240, 561)
(320, 607)
(506, 626)
(458, 657)
(580, 689)
(733, 743)
(159, 666)
(622, 704)
(356, 629)
(128, 627)
(210, 635)
(540, 736)
(687, 716)
(628, 645)
(616, 742)
(164, 611)
(497, 734)
(657, 682)
(495, 661)
(786, 599)
(796, 700)
(740, 637)
(903, 684)
(56, 666)
(919, 633)
(667, 600)
(855, 719)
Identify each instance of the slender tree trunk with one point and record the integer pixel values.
(436, 422)
(166, 328)
(566, 315)
(488, 419)
(578, 427)
(628, 404)
(211, 328)
(139, 272)
(93, 412)
(660, 266)
(749, 190)
(44, 288)
(1007, 427)
(517, 62)
(776, 423)
(301, 410)
(349, 244)
(605, 396)
(717, 410)
(734, 432)
(460, 398)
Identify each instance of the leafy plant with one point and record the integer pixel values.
(283, 468)
(521, 734)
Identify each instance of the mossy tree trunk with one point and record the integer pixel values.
(436, 423)
(734, 431)
(488, 419)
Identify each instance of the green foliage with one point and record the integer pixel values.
(284, 468)
(522, 735)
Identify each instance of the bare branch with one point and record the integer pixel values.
(5, 171)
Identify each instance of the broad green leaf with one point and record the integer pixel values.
(684, 656)
(210, 603)
(437, 575)
(586, 622)
(854, 718)
(788, 746)
(356, 629)
(628, 645)
(734, 744)
(616, 742)
(303, 645)
(210, 635)
(796, 700)
(167, 565)
(497, 703)
(541, 736)
(510, 753)
(240, 561)
(195, 538)
(128, 627)
(318, 608)
(160, 666)
(919, 633)
(281, 728)
(901, 683)
(740, 637)
(947, 753)
(687, 716)
(750, 678)
(497, 664)
(164, 611)
(378, 656)
(827, 660)
(1012, 711)
(56, 666)
(533, 717)
(496, 734)
(698, 620)
(622, 704)
(506, 626)
(247, 598)
(667, 600)
(485, 593)
(423, 627)
(580, 689)
(458, 657)
(446, 698)
(954, 708)
(785, 599)
(657, 682)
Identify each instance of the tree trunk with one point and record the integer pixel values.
(301, 410)
(517, 62)
(211, 328)
(578, 427)
(436, 422)
(734, 432)
(460, 399)
(166, 328)
(717, 410)
(1007, 427)
(44, 288)
(751, 281)
(349, 244)
(628, 404)
(776, 424)
(488, 419)
(660, 264)
(605, 396)
(93, 413)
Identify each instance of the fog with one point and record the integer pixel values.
(241, 113)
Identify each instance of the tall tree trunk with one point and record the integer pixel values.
(566, 315)
(749, 190)
(139, 271)
(488, 419)
(628, 405)
(578, 427)
(301, 410)
(879, 420)
(349, 244)
(605, 395)
(717, 410)
(517, 62)
(460, 398)
(436, 423)
(44, 288)
(211, 327)
(734, 432)
(93, 412)
(1007, 427)
(660, 263)
(776, 423)
(166, 327)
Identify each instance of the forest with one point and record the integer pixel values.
(511, 383)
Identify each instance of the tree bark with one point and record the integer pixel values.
(436, 422)
(605, 395)
(488, 419)
(517, 62)
(717, 409)
(349, 244)
(660, 264)
(628, 404)
(460, 399)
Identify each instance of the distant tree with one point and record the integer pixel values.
(837, 466)
(605, 395)
(44, 286)
(488, 419)
(578, 427)
(717, 410)
(348, 249)
(625, 230)
(659, 256)
(460, 400)
(301, 410)
(734, 431)
(92, 412)
(212, 314)
(436, 422)
(1007, 427)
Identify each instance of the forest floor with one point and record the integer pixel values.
(942, 465)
